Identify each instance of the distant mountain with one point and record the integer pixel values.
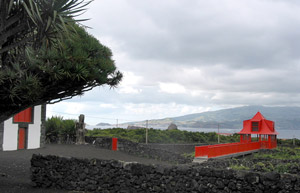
(103, 124)
(284, 118)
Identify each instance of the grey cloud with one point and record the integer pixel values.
(245, 35)
(229, 53)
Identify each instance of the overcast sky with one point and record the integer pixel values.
(180, 57)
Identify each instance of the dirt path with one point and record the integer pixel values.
(15, 165)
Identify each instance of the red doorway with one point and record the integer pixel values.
(21, 138)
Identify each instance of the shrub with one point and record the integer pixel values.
(263, 167)
(59, 130)
(283, 167)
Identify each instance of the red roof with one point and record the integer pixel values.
(265, 127)
(257, 117)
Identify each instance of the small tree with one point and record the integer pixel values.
(53, 126)
(60, 130)
(45, 57)
(68, 131)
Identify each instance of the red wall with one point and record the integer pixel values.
(24, 116)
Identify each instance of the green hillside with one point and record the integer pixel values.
(284, 117)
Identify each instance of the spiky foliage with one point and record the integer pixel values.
(59, 129)
(33, 23)
(46, 57)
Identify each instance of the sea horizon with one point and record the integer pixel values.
(282, 133)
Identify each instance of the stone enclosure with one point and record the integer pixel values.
(170, 153)
(95, 175)
(115, 176)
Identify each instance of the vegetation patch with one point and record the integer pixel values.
(60, 130)
(162, 136)
(239, 167)
(281, 160)
(281, 153)
(189, 155)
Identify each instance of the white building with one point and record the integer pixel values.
(24, 130)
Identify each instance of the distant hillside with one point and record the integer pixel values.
(103, 124)
(284, 117)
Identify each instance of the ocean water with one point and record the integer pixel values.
(283, 133)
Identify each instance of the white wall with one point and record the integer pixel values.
(34, 130)
(10, 133)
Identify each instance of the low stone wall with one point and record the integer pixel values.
(103, 142)
(114, 176)
(178, 148)
(138, 149)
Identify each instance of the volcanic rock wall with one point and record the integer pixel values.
(115, 176)
(178, 148)
(139, 149)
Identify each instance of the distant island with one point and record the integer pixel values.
(103, 124)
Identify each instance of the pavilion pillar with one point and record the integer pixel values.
(241, 138)
(269, 141)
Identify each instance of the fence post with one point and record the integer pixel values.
(146, 131)
(114, 144)
(218, 133)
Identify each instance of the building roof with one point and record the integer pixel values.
(266, 127)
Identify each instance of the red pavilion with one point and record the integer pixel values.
(262, 131)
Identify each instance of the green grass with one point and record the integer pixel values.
(281, 153)
(189, 155)
(239, 167)
(281, 160)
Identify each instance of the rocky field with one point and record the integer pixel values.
(281, 160)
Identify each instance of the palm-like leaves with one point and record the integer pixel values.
(40, 61)
(35, 21)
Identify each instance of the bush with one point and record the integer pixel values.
(263, 166)
(59, 130)
(288, 142)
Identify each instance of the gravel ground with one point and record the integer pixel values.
(15, 165)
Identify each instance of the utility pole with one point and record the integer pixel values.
(117, 123)
(146, 131)
(218, 133)
(294, 140)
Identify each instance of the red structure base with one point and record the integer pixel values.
(211, 151)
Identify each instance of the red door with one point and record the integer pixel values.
(21, 138)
